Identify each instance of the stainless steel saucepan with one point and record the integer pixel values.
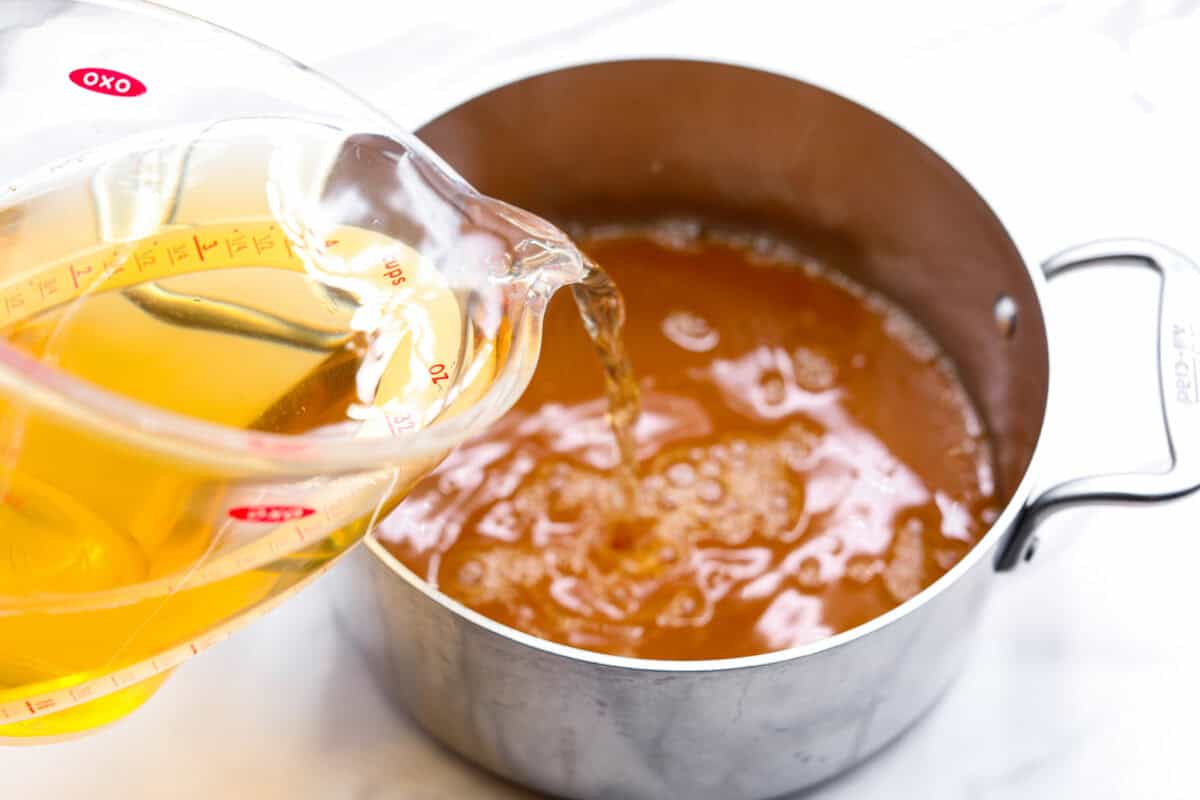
(639, 139)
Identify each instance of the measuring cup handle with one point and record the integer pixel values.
(1179, 389)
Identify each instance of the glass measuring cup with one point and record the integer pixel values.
(242, 316)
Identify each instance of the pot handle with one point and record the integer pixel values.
(1179, 390)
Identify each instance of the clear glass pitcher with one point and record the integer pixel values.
(242, 314)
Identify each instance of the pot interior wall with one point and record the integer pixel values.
(639, 140)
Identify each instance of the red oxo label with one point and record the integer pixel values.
(107, 81)
(270, 513)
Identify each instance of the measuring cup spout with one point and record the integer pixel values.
(543, 257)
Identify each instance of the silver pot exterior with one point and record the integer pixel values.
(728, 145)
(581, 728)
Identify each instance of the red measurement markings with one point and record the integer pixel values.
(13, 500)
(178, 253)
(438, 373)
(271, 513)
(236, 243)
(109, 266)
(44, 704)
(200, 248)
(144, 258)
(14, 301)
(393, 270)
(46, 286)
(77, 273)
(263, 242)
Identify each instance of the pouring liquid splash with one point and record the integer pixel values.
(602, 310)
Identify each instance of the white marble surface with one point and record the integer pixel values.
(1076, 120)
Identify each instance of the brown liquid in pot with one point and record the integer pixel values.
(807, 461)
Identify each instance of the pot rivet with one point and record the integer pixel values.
(1031, 549)
(1005, 313)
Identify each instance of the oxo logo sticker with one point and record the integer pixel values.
(270, 513)
(107, 81)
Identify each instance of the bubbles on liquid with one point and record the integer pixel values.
(830, 482)
(987, 481)
(772, 388)
(947, 557)
(971, 419)
(791, 620)
(701, 521)
(681, 474)
(687, 607)
(719, 569)
(902, 329)
(470, 573)
(690, 331)
(710, 491)
(493, 575)
(956, 519)
(501, 521)
(653, 484)
(813, 371)
(904, 575)
(808, 573)
(862, 568)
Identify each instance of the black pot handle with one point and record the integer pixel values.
(1179, 388)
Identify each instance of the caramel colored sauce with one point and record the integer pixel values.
(807, 457)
